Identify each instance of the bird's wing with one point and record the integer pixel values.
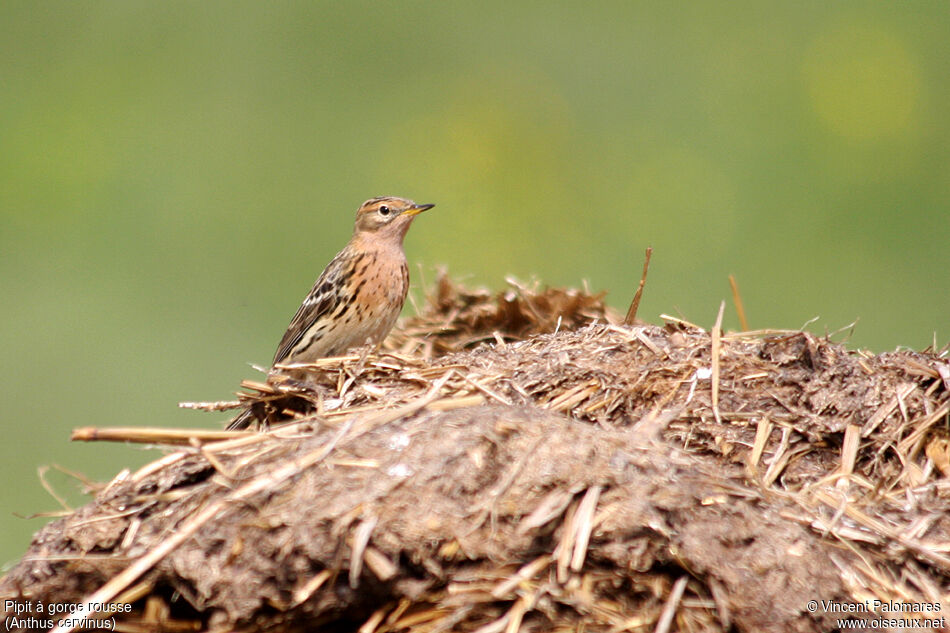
(324, 297)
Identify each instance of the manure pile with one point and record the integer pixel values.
(524, 462)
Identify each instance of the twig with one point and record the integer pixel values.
(220, 405)
(631, 317)
(141, 435)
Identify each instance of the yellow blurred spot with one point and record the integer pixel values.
(862, 82)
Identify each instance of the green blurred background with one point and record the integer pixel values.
(174, 175)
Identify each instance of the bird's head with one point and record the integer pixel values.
(388, 217)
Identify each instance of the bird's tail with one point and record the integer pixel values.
(242, 421)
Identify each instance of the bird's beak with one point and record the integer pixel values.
(416, 209)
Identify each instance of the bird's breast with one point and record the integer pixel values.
(381, 281)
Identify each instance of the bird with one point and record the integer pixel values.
(359, 295)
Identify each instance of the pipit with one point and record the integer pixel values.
(359, 295)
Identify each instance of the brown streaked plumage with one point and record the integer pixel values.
(359, 295)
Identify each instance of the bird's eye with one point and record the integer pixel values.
(384, 210)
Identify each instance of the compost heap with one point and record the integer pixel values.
(523, 461)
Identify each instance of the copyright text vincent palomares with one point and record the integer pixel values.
(882, 614)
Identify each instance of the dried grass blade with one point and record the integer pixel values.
(849, 453)
(672, 602)
(631, 317)
(309, 588)
(550, 507)
(374, 620)
(762, 432)
(737, 301)
(584, 524)
(565, 546)
(779, 460)
(530, 570)
(361, 538)
(716, 346)
(379, 564)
